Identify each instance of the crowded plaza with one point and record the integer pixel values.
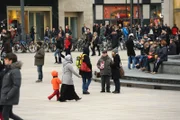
(98, 69)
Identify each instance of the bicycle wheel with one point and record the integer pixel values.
(18, 48)
(32, 47)
(52, 47)
(46, 47)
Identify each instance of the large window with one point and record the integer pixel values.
(177, 12)
(119, 11)
(155, 12)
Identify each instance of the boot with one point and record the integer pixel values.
(60, 60)
(56, 60)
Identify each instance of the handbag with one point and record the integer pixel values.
(121, 71)
(84, 67)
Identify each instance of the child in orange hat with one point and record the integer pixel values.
(56, 85)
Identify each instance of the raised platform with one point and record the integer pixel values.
(136, 78)
(172, 66)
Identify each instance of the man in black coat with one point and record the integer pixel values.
(130, 51)
(115, 68)
(115, 40)
(11, 84)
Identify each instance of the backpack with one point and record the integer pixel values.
(79, 60)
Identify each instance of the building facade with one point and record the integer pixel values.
(38, 14)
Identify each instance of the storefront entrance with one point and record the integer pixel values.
(74, 21)
(39, 17)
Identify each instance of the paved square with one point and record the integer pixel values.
(131, 104)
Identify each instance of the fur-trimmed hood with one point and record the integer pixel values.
(17, 65)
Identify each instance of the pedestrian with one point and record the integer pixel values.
(2, 73)
(104, 64)
(10, 90)
(32, 33)
(39, 61)
(95, 44)
(67, 89)
(162, 56)
(67, 44)
(56, 85)
(59, 48)
(130, 51)
(115, 68)
(86, 75)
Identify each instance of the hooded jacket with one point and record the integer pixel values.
(55, 81)
(10, 91)
(68, 71)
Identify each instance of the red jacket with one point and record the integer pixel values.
(174, 30)
(67, 43)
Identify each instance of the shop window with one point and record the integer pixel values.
(155, 12)
(176, 3)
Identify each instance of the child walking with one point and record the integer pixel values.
(55, 83)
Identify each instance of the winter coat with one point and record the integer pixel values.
(104, 64)
(39, 57)
(163, 53)
(172, 49)
(87, 75)
(68, 71)
(115, 66)
(10, 91)
(67, 43)
(115, 40)
(130, 47)
(60, 43)
(102, 31)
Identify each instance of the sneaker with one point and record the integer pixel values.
(108, 91)
(86, 93)
(38, 81)
(102, 91)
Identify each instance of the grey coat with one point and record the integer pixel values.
(10, 91)
(107, 65)
(39, 57)
(68, 71)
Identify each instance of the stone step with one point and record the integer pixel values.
(148, 85)
(153, 79)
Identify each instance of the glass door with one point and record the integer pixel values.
(74, 27)
(36, 19)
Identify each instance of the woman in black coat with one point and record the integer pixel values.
(86, 76)
(2, 73)
(115, 66)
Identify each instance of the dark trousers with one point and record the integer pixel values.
(56, 92)
(94, 50)
(40, 72)
(148, 64)
(117, 85)
(156, 65)
(105, 80)
(68, 51)
(8, 113)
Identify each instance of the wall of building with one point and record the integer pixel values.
(167, 12)
(84, 7)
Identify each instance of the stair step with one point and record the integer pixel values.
(149, 85)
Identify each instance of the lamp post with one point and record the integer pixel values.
(22, 21)
(132, 15)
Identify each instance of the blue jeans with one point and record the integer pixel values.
(57, 52)
(40, 72)
(46, 39)
(86, 83)
(131, 59)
